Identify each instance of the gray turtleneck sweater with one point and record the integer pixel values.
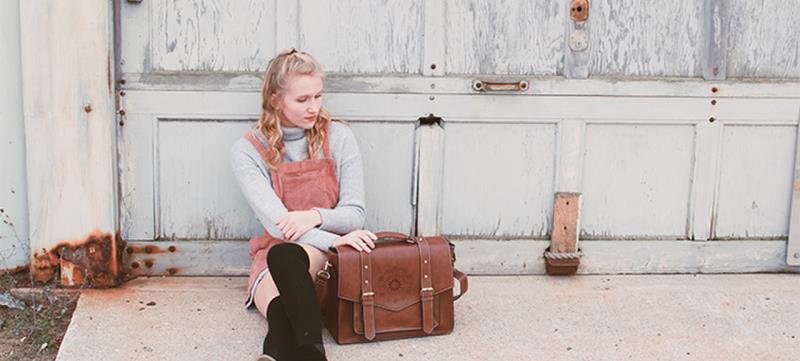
(252, 174)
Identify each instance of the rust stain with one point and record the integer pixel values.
(579, 10)
(149, 249)
(43, 265)
(95, 261)
(797, 186)
(172, 271)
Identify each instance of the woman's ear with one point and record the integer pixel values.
(275, 101)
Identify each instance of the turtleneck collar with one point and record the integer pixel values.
(290, 134)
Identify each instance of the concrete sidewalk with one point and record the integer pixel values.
(651, 317)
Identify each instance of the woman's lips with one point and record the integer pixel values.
(310, 118)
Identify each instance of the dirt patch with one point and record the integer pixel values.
(34, 332)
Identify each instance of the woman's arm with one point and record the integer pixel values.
(254, 183)
(350, 211)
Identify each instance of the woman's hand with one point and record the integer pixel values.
(360, 239)
(295, 224)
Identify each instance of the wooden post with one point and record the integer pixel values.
(67, 75)
(562, 257)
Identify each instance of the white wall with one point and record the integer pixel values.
(14, 249)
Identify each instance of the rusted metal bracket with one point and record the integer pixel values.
(563, 255)
(430, 119)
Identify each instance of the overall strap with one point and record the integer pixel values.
(326, 148)
(253, 139)
(256, 142)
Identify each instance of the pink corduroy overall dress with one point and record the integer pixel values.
(301, 186)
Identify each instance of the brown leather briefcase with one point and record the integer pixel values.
(403, 288)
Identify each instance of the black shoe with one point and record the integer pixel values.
(311, 352)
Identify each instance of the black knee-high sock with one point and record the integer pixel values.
(279, 342)
(288, 263)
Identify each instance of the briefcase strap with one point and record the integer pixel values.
(321, 286)
(426, 280)
(462, 282)
(367, 296)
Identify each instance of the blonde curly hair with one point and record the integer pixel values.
(286, 63)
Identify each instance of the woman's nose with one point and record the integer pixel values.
(315, 105)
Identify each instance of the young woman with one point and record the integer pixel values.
(301, 174)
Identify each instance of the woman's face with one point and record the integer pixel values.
(301, 101)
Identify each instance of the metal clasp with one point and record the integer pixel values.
(324, 272)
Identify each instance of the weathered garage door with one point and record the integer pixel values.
(468, 127)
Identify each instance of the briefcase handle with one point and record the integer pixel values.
(389, 236)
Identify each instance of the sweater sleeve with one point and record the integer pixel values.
(350, 211)
(256, 186)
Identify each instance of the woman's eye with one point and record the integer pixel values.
(318, 96)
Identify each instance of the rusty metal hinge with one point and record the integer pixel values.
(430, 119)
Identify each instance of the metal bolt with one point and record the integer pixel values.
(122, 93)
(711, 119)
(122, 112)
(431, 98)
(87, 108)
(433, 66)
(714, 89)
(797, 255)
(713, 102)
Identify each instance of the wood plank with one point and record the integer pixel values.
(715, 34)
(433, 63)
(377, 37)
(498, 179)
(14, 241)
(755, 182)
(387, 153)
(761, 44)
(210, 35)
(461, 84)
(636, 181)
(69, 137)
(504, 37)
(793, 245)
(643, 39)
(430, 182)
(497, 257)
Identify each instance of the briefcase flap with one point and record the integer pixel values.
(396, 272)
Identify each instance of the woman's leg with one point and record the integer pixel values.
(266, 289)
(290, 264)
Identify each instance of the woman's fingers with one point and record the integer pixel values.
(355, 244)
(367, 240)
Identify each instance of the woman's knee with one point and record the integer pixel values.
(286, 255)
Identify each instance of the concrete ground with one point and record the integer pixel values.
(649, 317)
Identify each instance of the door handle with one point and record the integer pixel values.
(486, 86)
